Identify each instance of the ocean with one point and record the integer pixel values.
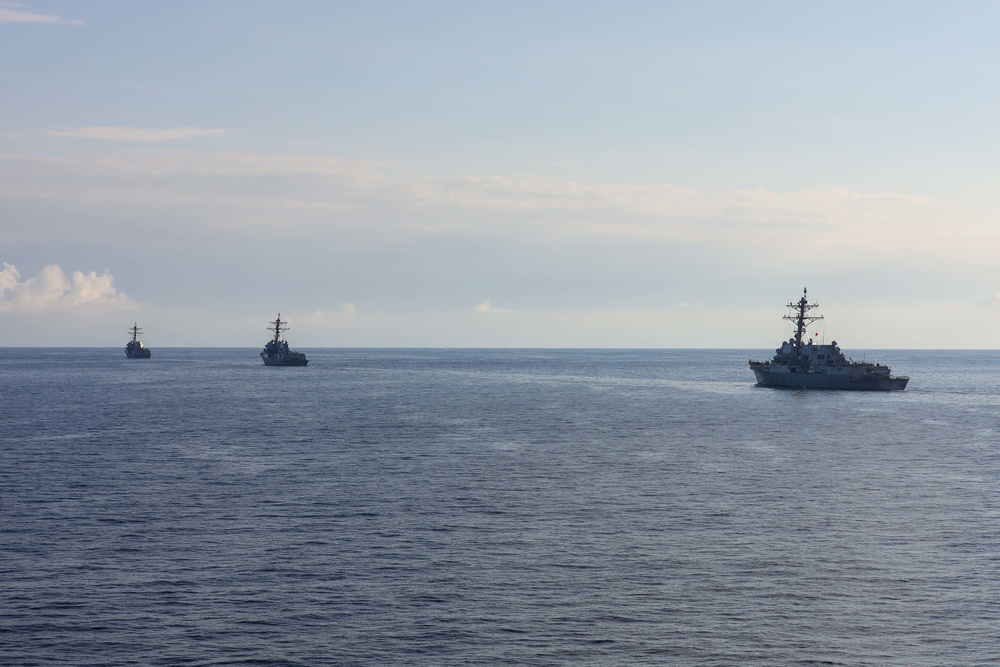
(494, 507)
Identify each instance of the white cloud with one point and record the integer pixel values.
(487, 308)
(8, 279)
(52, 289)
(9, 14)
(138, 134)
(344, 314)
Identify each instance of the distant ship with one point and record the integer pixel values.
(803, 364)
(134, 349)
(276, 352)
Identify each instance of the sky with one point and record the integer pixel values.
(499, 174)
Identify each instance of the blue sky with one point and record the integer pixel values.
(498, 174)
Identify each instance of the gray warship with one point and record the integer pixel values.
(802, 364)
(276, 352)
(134, 349)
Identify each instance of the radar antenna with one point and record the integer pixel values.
(278, 327)
(801, 319)
(135, 331)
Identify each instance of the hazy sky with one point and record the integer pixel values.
(562, 174)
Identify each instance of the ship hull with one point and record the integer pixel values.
(284, 361)
(141, 354)
(787, 380)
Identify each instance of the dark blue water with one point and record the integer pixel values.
(394, 507)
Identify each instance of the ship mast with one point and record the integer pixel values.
(278, 327)
(801, 319)
(135, 331)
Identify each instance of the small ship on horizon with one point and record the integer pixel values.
(276, 351)
(802, 364)
(134, 349)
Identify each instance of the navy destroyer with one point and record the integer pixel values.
(134, 349)
(276, 352)
(802, 364)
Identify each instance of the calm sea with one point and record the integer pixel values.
(470, 507)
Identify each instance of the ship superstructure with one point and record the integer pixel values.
(801, 363)
(276, 351)
(134, 349)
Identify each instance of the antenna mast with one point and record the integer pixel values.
(278, 327)
(801, 319)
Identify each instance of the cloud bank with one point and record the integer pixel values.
(138, 134)
(245, 197)
(488, 308)
(343, 315)
(230, 190)
(10, 14)
(52, 289)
